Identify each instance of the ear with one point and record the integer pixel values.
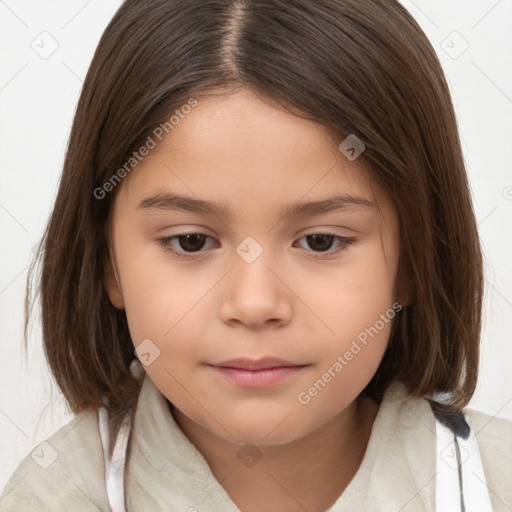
(113, 288)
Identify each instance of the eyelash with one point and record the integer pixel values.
(165, 243)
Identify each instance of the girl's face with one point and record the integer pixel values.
(307, 317)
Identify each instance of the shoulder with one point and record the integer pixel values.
(65, 472)
(411, 421)
(494, 436)
(491, 430)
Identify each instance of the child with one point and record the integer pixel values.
(275, 374)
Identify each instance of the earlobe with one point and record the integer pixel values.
(113, 288)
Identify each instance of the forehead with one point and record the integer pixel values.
(247, 132)
(242, 146)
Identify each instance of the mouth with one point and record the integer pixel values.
(257, 373)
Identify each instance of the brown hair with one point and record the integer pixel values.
(362, 67)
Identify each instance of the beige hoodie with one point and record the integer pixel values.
(165, 472)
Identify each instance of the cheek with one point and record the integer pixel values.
(346, 368)
(351, 297)
(155, 293)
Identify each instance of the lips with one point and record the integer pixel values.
(257, 373)
(256, 364)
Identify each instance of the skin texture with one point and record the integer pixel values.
(290, 302)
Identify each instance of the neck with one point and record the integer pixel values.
(309, 473)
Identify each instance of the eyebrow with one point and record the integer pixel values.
(184, 203)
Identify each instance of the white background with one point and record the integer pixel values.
(37, 101)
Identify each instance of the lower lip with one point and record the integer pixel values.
(258, 378)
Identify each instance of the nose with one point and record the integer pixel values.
(256, 293)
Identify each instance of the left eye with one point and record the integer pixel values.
(192, 243)
(324, 241)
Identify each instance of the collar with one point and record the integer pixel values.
(165, 467)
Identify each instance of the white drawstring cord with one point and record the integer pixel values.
(115, 465)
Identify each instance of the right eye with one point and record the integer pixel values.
(191, 243)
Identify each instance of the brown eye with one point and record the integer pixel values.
(320, 242)
(191, 242)
(187, 244)
(323, 242)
